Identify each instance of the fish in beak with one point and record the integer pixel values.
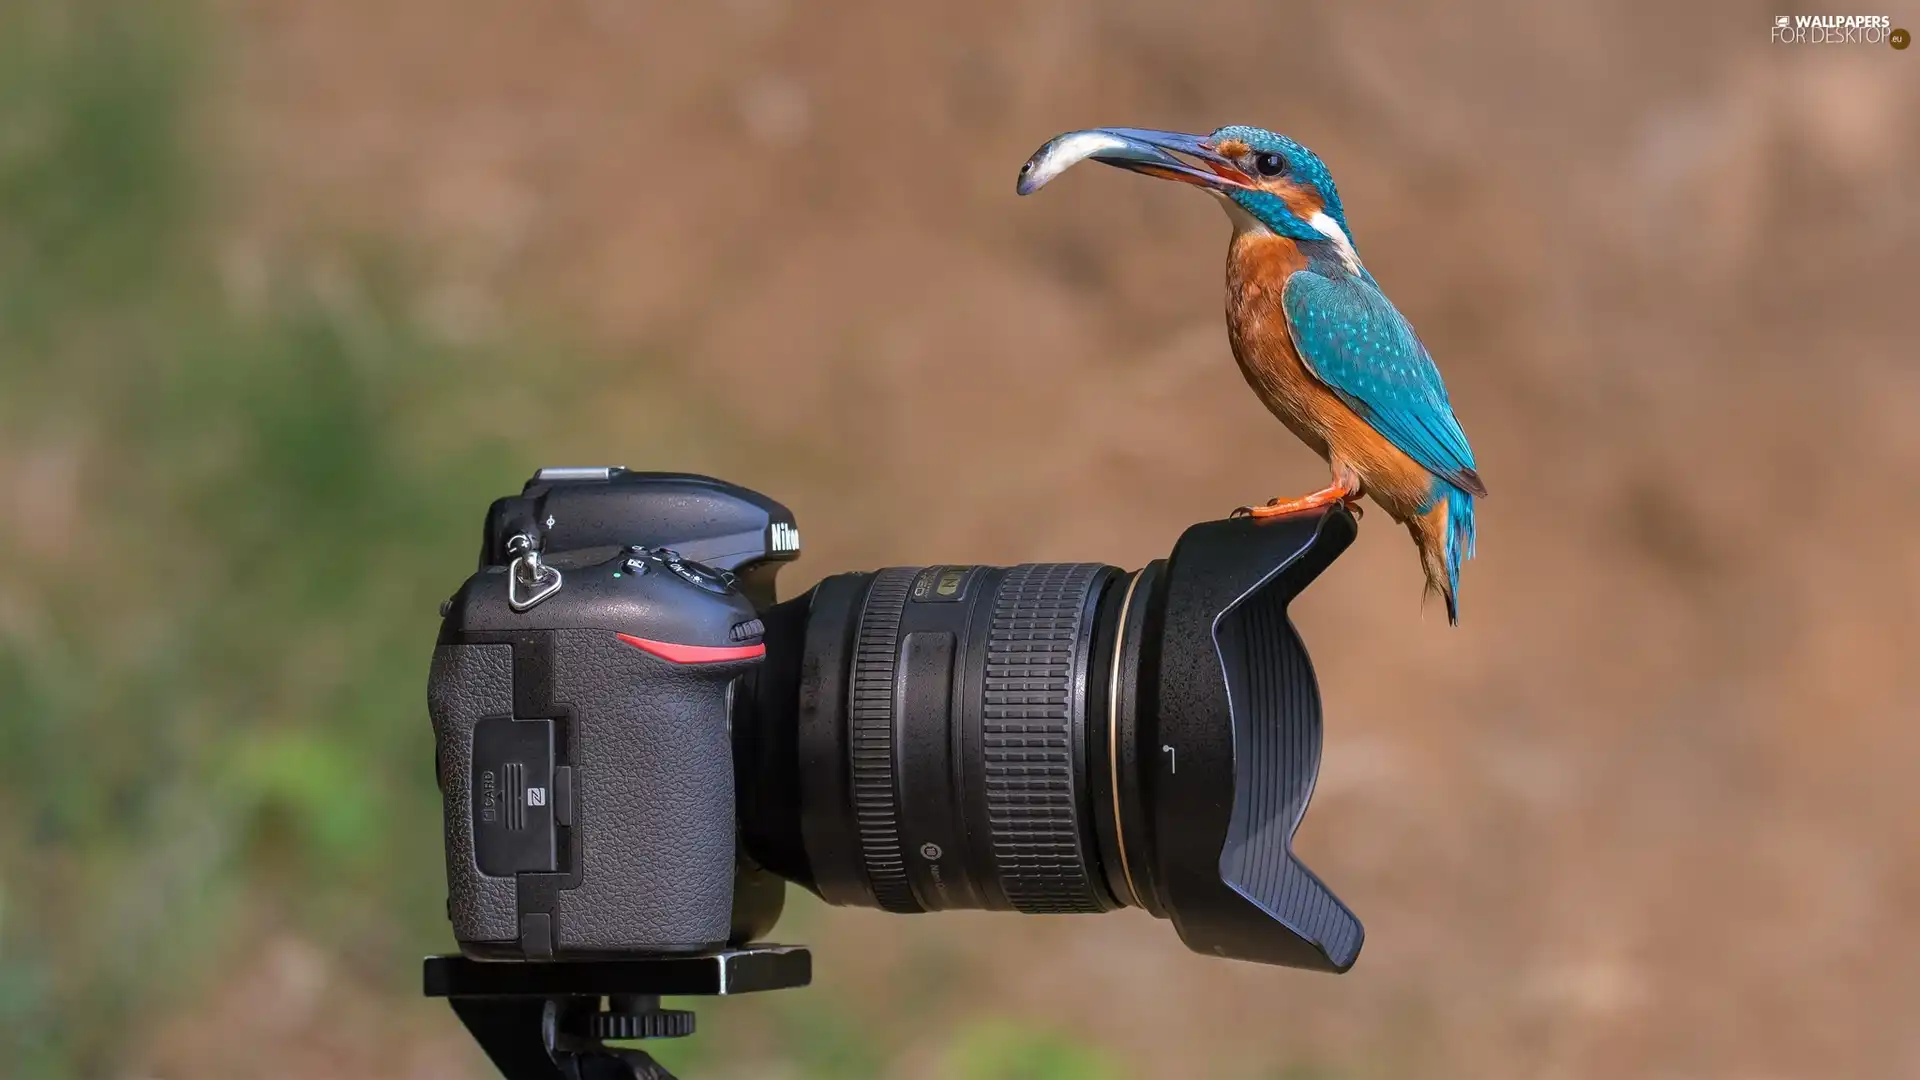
(1138, 150)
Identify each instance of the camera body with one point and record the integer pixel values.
(579, 693)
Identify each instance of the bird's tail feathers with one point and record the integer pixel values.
(1445, 538)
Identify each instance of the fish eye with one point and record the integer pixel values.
(1269, 164)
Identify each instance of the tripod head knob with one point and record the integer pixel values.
(624, 1022)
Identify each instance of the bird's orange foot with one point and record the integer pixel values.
(1324, 497)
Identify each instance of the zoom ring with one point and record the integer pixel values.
(1033, 668)
(876, 812)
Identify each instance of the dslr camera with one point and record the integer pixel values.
(639, 744)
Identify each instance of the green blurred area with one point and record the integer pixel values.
(212, 657)
(239, 491)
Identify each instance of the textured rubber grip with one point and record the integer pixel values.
(876, 810)
(468, 684)
(1035, 668)
(654, 785)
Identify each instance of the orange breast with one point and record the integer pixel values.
(1257, 270)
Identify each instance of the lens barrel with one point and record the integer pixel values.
(952, 760)
(1055, 738)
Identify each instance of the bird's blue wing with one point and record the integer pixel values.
(1351, 338)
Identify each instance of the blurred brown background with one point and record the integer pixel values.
(1648, 812)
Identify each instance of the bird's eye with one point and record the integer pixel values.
(1269, 164)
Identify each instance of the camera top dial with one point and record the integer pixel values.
(641, 559)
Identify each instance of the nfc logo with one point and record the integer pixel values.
(536, 796)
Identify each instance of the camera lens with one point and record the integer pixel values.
(1054, 738)
(942, 733)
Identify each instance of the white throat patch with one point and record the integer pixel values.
(1243, 222)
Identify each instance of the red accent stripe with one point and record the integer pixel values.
(695, 654)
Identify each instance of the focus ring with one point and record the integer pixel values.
(870, 740)
(1034, 668)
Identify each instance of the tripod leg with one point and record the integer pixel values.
(513, 1032)
(621, 1065)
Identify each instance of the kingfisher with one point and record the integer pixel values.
(1317, 339)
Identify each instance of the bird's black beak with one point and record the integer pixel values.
(1138, 150)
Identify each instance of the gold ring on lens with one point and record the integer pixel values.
(1113, 735)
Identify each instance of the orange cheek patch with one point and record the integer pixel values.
(1302, 201)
